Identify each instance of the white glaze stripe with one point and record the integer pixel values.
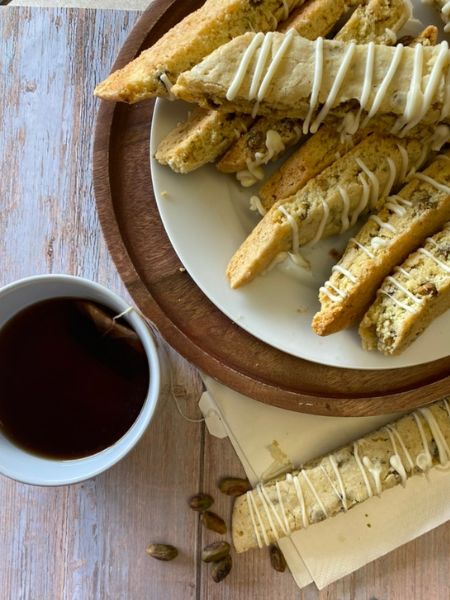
(294, 228)
(442, 265)
(317, 82)
(438, 436)
(402, 288)
(374, 183)
(363, 248)
(275, 64)
(335, 490)
(260, 64)
(381, 92)
(243, 66)
(287, 527)
(364, 199)
(382, 225)
(252, 518)
(314, 492)
(344, 272)
(300, 497)
(267, 502)
(439, 186)
(396, 433)
(337, 83)
(322, 224)
(340, 481)
(399, 302)
(362, 469)
(426, 451)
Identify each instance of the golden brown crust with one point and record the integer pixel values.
(315, 18)
(377, 21)
(202, 138)
(394, 321)
(429, 210)
(183, 46)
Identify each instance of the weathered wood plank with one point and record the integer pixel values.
(88, 540)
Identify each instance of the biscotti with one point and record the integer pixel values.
(367, 23)
(419, 210)
(328, 204)
(215, 23)
(377, 21)
(289, 76)
(202, 138)
(339, 481)
(410, 298)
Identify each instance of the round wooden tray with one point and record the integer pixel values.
(186, 318)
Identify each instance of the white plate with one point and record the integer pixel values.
(206, 217)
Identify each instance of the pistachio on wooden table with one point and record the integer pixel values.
(164, 552)
(216, 551)
(213, 522)
(220, 569)
(201, 502)
(277, 559)
(234, 486)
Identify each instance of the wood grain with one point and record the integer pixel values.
(186, 318)
(87, 541)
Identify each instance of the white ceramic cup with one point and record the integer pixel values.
(17, 463)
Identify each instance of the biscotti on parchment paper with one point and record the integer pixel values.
(339, 481)
(154, 71)
(410, 298)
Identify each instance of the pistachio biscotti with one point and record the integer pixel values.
(410, 298)
(289, 76)
(386, 239)
(154, 71)
(339, 481)
(328, 204)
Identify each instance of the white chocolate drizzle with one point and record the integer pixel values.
(363, 248)
(343, 495)
(436, 184)
(362, 469)
(317, 82)
(337, 83)
(300, 497)
(405, 291)
(392, 176)
(382, 224)
(314, 492)
(322, 224)
(394, 206)
(263, 499)
(243, 66)
(251, 509)
(396, 434)
(344, 272)
(405, 161)
(375, 471)
(283, 511)
(256, 205)
(374, 183)
(335, 490)
(440, 264)
(438, 436)
(381, 92)
(418, 102)
(423, 460)
(364, 201)
(334, 298)
(377, 242)
(395, 460)
(345, 223)
(398, 302)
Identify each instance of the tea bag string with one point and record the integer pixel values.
(156, 334)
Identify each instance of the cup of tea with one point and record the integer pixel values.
(80, 379)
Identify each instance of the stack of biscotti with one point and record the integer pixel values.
(339, 481)
(263, 77)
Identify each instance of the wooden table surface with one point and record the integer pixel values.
(87, 541)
